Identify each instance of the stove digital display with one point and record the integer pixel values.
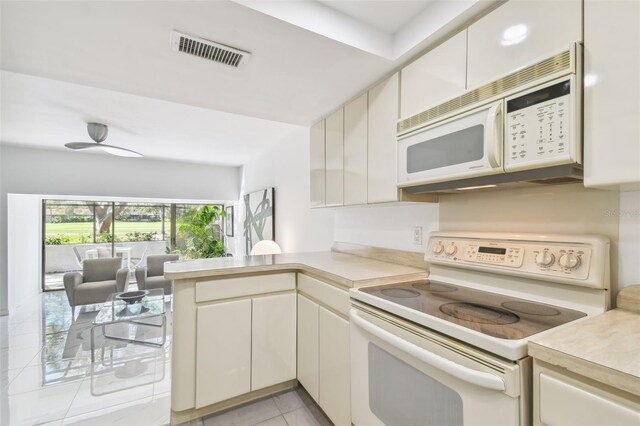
(492, 250)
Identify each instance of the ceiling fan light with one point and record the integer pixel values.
(120, 152)
(98, 132)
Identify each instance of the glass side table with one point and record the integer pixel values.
(116, 311)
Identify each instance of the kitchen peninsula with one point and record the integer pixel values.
(247, 327)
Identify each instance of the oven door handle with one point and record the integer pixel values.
(485, 380)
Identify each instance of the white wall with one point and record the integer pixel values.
(389, 226)
(23, 247)
(629, 242)
(557, 209)
(4, 296)
(35, 171)
(286, 168)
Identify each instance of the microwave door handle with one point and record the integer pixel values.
(485, 380)
(492, 135)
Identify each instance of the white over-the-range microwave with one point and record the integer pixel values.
(519, 128)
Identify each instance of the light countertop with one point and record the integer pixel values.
(605, 348)
(344, 269)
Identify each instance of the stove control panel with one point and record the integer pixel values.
(538, 258)
(505, 255)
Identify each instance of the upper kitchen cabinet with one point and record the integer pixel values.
(611, 102)
(383, 148)
(334, 160)
(317, 160)
(355, 151)
(435, 77)
(520, 33)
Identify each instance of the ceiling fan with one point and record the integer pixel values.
(98, 132)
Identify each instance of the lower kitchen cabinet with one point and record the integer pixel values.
(273, 343)
(223, 351)
(335, 376)
(245, 340)
(323, 347)
(308, 345)
(564, 398)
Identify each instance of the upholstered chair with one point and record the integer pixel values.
(99, 279)
(152, 276)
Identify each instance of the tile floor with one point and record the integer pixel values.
(291, 408)
(46, 375)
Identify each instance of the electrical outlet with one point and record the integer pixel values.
(417, 235)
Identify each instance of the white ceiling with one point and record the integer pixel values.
(111, 62)
(388, 15)
(48, 113)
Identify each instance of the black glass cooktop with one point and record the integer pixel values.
(493, 314)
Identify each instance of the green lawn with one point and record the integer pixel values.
(79, 228)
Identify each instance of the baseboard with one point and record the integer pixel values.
(180, 417)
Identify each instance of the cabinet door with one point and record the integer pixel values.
(434, 78)
(317, 164)
(335, 158)
(273, 344)
(382, 175)
(519, 33)
(223, 351)
(611, 102)
(355, 151)
(335, 382)
(308, 345)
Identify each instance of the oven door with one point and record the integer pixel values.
(402, 376)
(467, 145)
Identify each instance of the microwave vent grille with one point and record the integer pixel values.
(550, 66)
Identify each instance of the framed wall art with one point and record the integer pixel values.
(259, 223)
(228, 221)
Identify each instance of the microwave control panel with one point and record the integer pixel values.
(539, 128)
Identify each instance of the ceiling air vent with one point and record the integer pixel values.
(208, 49)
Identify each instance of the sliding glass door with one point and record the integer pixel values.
(74, 231)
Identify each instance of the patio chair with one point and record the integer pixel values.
(78, 256)
(138, 256)
(152, 276)
(99, 278)
(104, 252)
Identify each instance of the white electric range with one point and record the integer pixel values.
(452, 350)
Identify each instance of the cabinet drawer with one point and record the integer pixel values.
(246, 286)
(331, 296)
(563, 403)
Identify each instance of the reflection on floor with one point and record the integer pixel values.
(54, 281)
(46, 374)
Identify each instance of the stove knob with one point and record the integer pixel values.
(569, 261)
(545, 258)
(451, 249)
(438, 248)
